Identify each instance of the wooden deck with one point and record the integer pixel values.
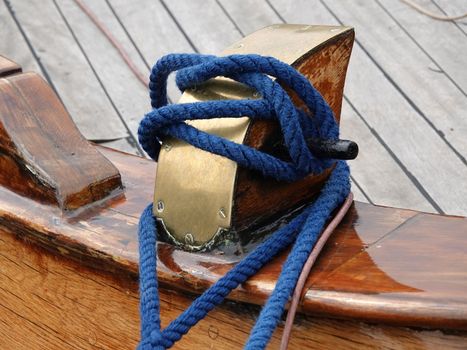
(406, 92)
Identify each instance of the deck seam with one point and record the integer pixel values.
(65, 20)
(31, 47)
(444, 12)
(179, 26)
(401, 91)
(406, 171)
(441, 70)
(117, 17)
(362, 251)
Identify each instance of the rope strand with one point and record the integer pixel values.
(303, 231)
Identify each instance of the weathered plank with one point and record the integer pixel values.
(73, 78)
(454, 8)
(442, 41)
(246, 20)
(412, 140)
(413, 69)
(153, 31)
(12, 43)
(212, 31)
(379, 175)
(398, 190)
(116, 77)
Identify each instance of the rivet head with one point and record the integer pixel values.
(167, 147)
(239, 46)
(189, 239)
(160, 206)
(222, 213)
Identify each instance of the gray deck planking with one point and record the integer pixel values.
(12, 43)
(115, 76)
(396, 110)
(72, 76)
(154, 32)
(413, 68)
(453, 8)
(209, 29)
(440, 41)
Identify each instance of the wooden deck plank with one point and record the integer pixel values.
(412, 70)
(153, 31)
(412, 140)
(71, 74)
(116, 77)
(399, 191)
(376, 171)
(205, 23)
(442, 41)
(12, 43)
(454, 8)
(246, 20)
(126, 145)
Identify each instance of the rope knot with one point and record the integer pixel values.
(274, 103)
(303, 231)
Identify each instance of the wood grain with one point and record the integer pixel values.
(73, 77)
(117, 78)
(453, 8)
(104, 237)
(427, 51)
(165, 36)
(202, 33)
(384, 182)
(441, 41)
(50, 302)
(42, 153)
(12, 43)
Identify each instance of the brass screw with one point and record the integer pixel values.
(160, 206)
(222, 213)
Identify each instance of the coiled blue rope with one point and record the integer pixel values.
(303, 231)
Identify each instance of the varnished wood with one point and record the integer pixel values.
(42, 153)
(418, 280)
(383, 266)
(257, 199)
(48, 301)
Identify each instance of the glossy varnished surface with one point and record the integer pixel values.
(382, 264)
(50, 302)
(42, 153)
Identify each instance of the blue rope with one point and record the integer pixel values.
(303, 231)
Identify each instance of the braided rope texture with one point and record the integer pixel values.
(303, 231)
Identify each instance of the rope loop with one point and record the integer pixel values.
(256, 72)
(302, 232)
